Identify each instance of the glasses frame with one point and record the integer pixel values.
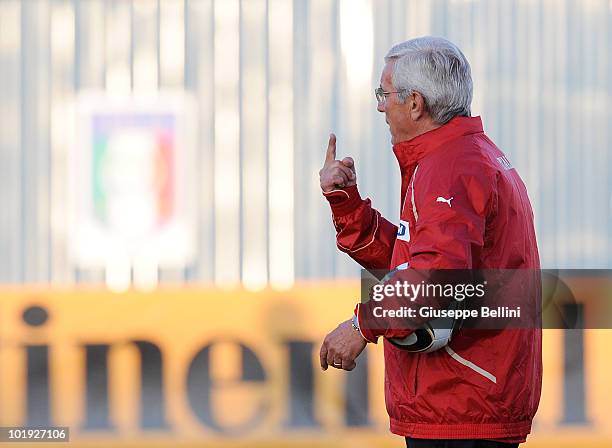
(381, 95)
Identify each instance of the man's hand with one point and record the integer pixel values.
(341, 347)
(336, 173)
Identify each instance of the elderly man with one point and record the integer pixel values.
(483, 389)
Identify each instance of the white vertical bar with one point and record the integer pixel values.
(90, 70)
(227, 141)
(548, 236)
(118, 83)
(492, 106)
(144, 69)
(145, 81)
(201, 53)
(10, 141)
(357, 41)
(301, 132)
(558, 189)
(10, 30)
(385, 173)
(35, 145)
(597, 97)
(568, 146)
(62, 132)
(522, 123)
(507, 77)
(419, 18)
(281, 180)
(313, 215)
(145, 272)
(91, 41)
(253, 142)
(172, 42)
(459, 24)
(589, 214)
(608, 132)
(479, 62)
(171, 75)
(118, 271)
(532, 130)
(118, 78)
(603, 17)
(355, 103)
(397, 22)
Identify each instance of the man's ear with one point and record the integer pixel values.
(418, 107)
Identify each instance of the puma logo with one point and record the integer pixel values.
(448, 201)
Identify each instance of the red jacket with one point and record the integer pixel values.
(483, 385)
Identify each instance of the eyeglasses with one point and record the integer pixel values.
(381, 95)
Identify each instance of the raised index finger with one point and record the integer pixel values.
(330, 155)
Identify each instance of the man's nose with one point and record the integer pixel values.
(380, 107)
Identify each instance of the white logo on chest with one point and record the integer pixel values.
(448, 201)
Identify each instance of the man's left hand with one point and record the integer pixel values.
(341, 347)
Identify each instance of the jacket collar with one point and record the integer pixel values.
(410, 152)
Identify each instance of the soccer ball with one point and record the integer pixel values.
(433, 335)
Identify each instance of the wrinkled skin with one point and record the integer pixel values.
(341, 347)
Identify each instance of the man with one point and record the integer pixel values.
(483, 389)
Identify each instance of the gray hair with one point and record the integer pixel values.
(438, 70)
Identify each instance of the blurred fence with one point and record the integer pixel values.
(271, 79)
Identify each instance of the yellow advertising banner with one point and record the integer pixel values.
(204, 367)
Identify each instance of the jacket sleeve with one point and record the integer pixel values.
(361, 231)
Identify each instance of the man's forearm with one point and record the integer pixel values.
(361, 231)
